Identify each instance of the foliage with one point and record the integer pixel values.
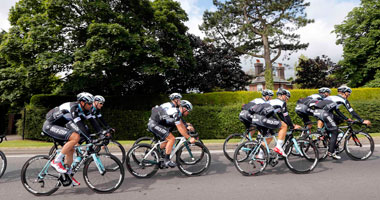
(258, 26)
(375, 82)
(315, 73)
(360, 35)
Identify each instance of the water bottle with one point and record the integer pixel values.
(340, 135)
(76, 161)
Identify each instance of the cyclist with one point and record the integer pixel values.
(175, 98)
(66, 123)
(95, 111)
(164, 119)
(245, 115)
(325, 112)
(281, 110)
(305, 106)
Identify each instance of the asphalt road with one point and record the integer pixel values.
(344, 179)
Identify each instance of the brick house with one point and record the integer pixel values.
(258, 81)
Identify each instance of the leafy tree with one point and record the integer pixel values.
(375, 82)
(316, 73)
(360, 35)
(259, 28)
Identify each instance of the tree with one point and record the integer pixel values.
(215, 67)
(316, 73)
(259, 28)
(360, 35)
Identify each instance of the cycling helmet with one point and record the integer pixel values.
(187, 105)
(344, 89)
(99, 98)
(282, 91)
(86, 97)
(267, 93)
(175, 96)
(324, 89)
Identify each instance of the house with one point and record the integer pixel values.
(258, 81)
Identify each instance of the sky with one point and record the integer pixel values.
(326, 14)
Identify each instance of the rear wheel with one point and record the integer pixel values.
(231, 143)
(38, 177)
(140, 163)
(145, 140)
(246, 159)
(359, 146)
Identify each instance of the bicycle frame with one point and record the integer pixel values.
(176, 146)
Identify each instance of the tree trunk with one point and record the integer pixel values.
(268, 65)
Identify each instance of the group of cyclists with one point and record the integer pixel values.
(66, 122)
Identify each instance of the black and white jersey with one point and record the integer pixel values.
(282, 111)
(250, 104)
(167, 115)
(99, 119)
(339, 100)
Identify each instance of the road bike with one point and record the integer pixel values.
(111, 147)
(234, 140)
(3, 159)
(248, 162)
(152, 140)
(144, 160)
(357, 144)
(103, 173)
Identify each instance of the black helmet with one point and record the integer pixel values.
(267, 93)
(324, 89)
(86, 97)
(282, 91)
(344, 89)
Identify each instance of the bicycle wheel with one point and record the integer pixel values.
(321, 143)
(38, 177)
(3, 163)
(193, 159)
(100, 175)
(231, 143)
(359, 146)
(141, 164)
(116, 149)
(246, 162)
(301, 162)
(145, 140)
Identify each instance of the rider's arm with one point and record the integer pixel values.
(284, 116)
(352, 112)
(182, 129)
(340, 114)
(101, 119)
(95, 124)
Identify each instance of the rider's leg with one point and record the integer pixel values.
(68, 148)
(281, 138)
(170, 142)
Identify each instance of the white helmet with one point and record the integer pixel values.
(175, 96)
(86, 97)
(186, 104)
(99, 98)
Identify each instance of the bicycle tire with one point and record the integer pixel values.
(3, 163)
(245, 164)
(359, 148)
(190, 161)
(107, 161)
(40, 161)
(145, 140)
(293, 161)
(231, 143)
(321, 144)
(52, 150)
(135, 160)
(119, 151)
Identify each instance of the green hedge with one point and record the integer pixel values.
(211, 121)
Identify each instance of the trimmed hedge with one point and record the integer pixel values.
(211, 121)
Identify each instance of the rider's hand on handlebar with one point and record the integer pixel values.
(367, 122)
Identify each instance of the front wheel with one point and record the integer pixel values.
(38, 177)
(299, 161)
(231, 143)
(193, 159)
(116, 149)
(100, 175)
(3, 163)
(248, 160)
(359, 146)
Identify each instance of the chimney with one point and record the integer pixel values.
(258, 67)
(281, 71)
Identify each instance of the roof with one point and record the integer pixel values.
(261, 79)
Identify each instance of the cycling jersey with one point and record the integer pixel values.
(99, 118)
(339, 100)
(65, 119)
(305, 106)
(282, 111)
(252, 103)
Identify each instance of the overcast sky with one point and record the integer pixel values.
(326, 14)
